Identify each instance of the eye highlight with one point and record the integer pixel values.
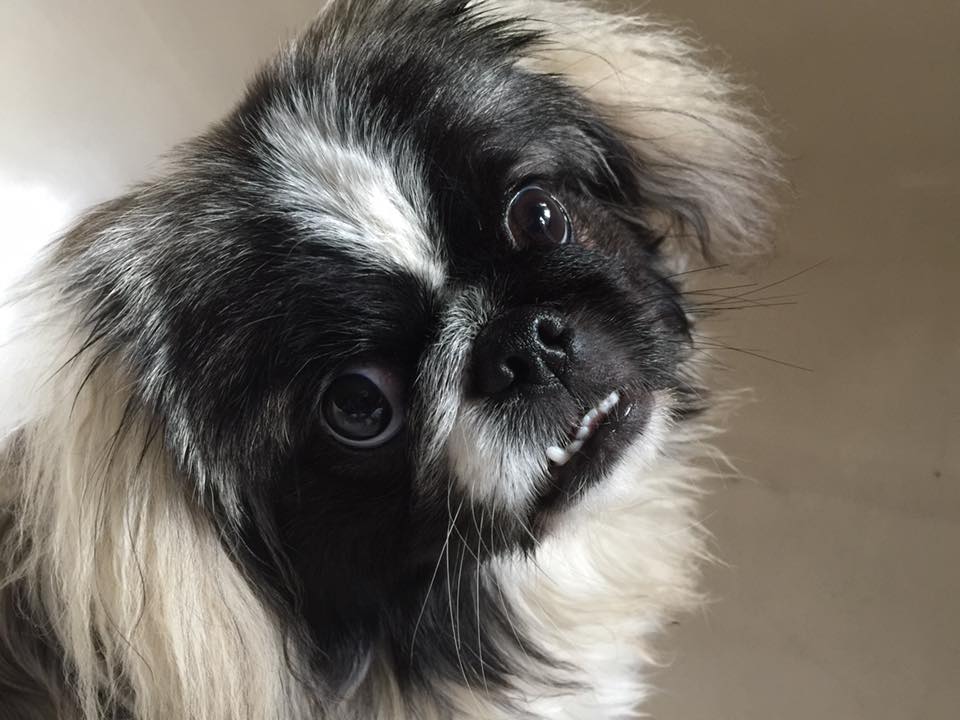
(362, 408)
(534, 217)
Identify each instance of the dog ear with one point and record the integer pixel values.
(703, 162)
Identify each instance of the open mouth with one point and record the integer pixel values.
(593, 445)
(585, 429)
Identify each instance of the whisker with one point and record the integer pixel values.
(506, 611)
(704, 342)
(453, 624)
(483, 673)
(795, 275)
(433, 578)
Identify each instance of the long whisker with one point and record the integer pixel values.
(483, 673)
(433, 578)
(705, 342)
(453, 623)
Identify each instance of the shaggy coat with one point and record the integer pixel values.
(180, 534)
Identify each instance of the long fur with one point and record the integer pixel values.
(708, 162)
(116, 593)
(105, 549)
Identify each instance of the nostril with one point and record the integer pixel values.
(550, 332)
(517, 368)
(521, 351)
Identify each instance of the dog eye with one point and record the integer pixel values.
(535, 217)
(361, 407)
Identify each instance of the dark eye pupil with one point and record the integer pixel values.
(535, 216)
(355, 408)
(538, 218)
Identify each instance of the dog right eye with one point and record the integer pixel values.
(361, 407)
(535, 217)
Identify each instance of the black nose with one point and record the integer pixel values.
(528, 348)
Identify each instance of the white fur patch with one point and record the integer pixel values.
(353, 197)
(492, 464)
(441, 375)
(605, 579)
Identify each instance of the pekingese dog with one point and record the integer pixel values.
(382, 401)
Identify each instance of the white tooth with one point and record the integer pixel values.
(588, 425)
(610, 402)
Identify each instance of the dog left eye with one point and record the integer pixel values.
(362, 408)
(535, 217)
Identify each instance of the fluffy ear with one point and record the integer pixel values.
(103, 554)
(703, 160)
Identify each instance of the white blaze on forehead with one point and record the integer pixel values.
(351, 195)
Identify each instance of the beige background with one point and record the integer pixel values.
(841, 589)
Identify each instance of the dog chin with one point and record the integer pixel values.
(592, 459)
(626, 444)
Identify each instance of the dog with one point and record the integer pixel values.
(384, 399)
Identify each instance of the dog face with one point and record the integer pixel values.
(413, 299)
(383, 297)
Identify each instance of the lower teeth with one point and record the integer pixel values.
(588, 425)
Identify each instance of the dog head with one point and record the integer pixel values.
(419, 289)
